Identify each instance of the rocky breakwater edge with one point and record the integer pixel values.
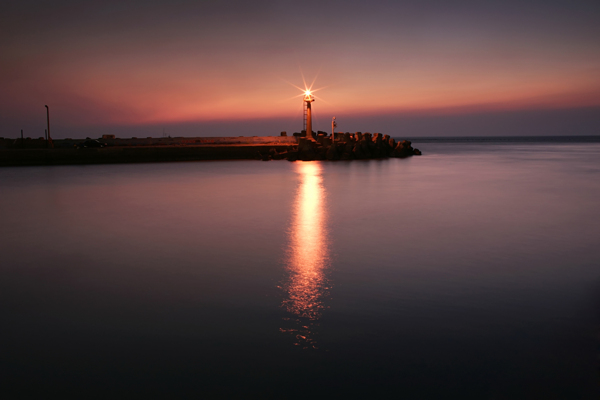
(358, 146)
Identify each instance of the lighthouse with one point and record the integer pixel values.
(308, 99)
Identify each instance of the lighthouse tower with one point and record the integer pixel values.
(308, 99)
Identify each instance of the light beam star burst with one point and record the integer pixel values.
(308, 89)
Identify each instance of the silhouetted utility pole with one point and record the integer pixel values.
(22, 143)
(49, 141)
(333, 125)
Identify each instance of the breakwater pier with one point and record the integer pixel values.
(347, 146)
(109, 149)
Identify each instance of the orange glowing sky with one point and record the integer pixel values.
(157, 63)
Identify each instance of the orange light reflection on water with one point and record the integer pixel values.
(308, 254)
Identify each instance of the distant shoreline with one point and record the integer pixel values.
(507, 139)
(414, 139)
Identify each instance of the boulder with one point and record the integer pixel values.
(321, 153)
(347, 151)
(377, 138)
(358, 152)
(332, 153)
(392, 143)
(385, 146)
(307, 153)
(365, 149)
(274, 154)
(403, 149)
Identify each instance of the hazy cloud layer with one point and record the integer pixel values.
(181, 63)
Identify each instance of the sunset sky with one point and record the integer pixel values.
(194, 68)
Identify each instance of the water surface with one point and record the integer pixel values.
(469, 272)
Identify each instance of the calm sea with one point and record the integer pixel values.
(471, 272)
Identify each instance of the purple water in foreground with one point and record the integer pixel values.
(470, 272)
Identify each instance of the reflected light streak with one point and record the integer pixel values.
(308, 255)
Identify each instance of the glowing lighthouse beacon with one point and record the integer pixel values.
(308, 99)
